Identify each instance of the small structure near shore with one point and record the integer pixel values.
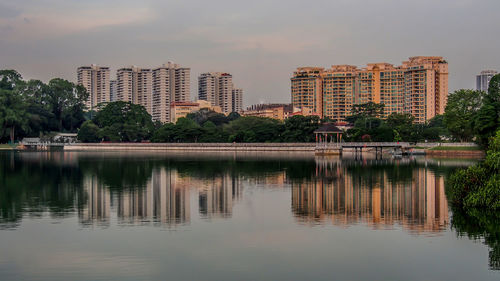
(328, 133)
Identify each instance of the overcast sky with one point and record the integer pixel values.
(260, 42)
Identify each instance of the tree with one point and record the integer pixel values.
(13, 113)
(254, 129)
(368, 114)
(460, 113)
(402, 125)
(478, 186)
(9, 79)
(166, 133)
(203, 115)
(88, 132)
(369, 109)
(233, 116)
(300, 128)
(124, 121)
(187, 130)
(66, 100)
(487, 119)
(41, 118)
(212, 133)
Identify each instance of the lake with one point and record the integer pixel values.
(236, 216)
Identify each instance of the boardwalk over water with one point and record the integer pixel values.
(337, 148)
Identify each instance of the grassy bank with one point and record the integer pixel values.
(6, 147)
(456, 148)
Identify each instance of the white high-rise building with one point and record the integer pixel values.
(217, 88)
(483, 79)
(96, 80)
(237, 100)
(135, 85)
(207, 87)
(171, 83)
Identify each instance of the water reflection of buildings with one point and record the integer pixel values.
(217, 198)
(98, 200)
(346, 197)
(163, 200)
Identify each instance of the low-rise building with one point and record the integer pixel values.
(182, 109)
(274, 111)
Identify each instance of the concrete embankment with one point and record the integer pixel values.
(453, 150)
(299, 147)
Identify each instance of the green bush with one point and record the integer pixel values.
(479, 185)
(88, 132)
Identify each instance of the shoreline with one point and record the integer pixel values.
(248, 147)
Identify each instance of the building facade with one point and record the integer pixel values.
(135, 85)
(307, 89)
(182, 109)
(419, 87)
(171, 83)
(237, 100)
(274, 111)
(95, 79)
(218, 89)
(113, 90)
(483, 79)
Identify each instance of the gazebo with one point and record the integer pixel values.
(328, 133)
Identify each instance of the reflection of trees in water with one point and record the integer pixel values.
(33, 187)
(476, 224)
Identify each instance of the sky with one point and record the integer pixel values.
(260, 42)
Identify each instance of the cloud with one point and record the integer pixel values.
(8, 12)
(40, 22)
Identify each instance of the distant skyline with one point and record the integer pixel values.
(260, 42)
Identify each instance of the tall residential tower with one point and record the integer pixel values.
(218, 89)
(96, 81)
(171, 83)
(135, 85)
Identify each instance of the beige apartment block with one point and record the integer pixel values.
(95, 79)
(419, 87)
(182, 109)
(274, 111)
(171, 83)
(218, 89)
(135, 85)
(307, 89)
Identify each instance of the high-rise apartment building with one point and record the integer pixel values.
(307, 89)
(218, 89)
(483, 79)
(237, 100)
(96, 80)
(171, 83)
(113, 90)
(135, 85)
(419, 87)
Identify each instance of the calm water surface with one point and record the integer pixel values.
(140, 216)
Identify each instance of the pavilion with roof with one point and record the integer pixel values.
(328, 133)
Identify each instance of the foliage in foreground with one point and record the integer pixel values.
(479, 185)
